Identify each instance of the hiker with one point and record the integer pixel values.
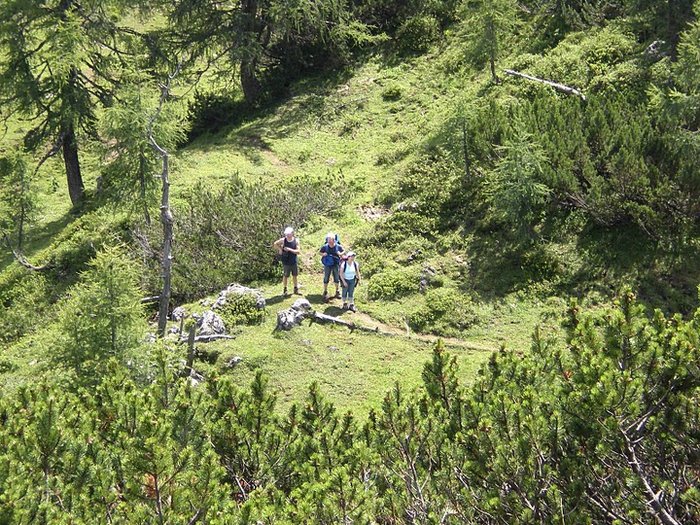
(350, 276)
(288, 247)
(331, 262)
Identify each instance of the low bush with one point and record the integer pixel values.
(393, 283)
(417, 34)
(446, 312)
(241, 310)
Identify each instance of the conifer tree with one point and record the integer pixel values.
(103, 317)
(493, 21)
(17, 199)
(58, 63)
(515, 190)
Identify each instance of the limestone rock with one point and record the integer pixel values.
(178, 314)
(288, 319)
(237, 289)
(209, 323)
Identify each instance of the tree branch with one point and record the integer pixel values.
(559, 87)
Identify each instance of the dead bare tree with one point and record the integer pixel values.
(166, 214)
(556, 85)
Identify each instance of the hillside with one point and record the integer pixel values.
(528, 248)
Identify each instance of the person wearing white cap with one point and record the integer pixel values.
(350, 277)
(288, 248)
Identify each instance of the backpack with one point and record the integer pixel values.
(328, 259)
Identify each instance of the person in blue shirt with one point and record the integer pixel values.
(331, 250)
(350, 277)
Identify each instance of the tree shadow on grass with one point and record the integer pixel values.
(276, 299)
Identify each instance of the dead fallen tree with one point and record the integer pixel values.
(556, 85)
(329, 319)
(302, 310)
(21, 259)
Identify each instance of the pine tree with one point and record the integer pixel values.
(103, 317)
(17, 199)
(59, 62)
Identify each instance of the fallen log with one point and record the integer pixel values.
(556, 85)
(207, 338)
(316, 317)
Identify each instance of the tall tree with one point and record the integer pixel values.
(251, 35)
(57, 66)
(493, 20)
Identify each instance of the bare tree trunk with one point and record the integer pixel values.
(166, 219)
(76, 188)
(559, 87)
(166, 215)
(249, 82)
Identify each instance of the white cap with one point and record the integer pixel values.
(288, 230)
(351, 254)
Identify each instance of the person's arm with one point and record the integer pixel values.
(341, 271)
(324, 249)
(296, 250)
(277, 245)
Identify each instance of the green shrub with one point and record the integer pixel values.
(393, 229)
(22, 305)
(210, 112)
(392, 92)
(417, 34)
(446, 312)
(241, 310)
(393, 283)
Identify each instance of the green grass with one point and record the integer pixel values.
(354, 369)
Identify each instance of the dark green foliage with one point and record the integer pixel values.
(446, 312)
(417, 33)
(225, 235)
(255, 39)
(241, 309)
(211, 112)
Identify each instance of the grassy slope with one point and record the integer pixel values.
(367, 126)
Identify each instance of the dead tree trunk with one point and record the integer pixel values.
(559, 87)
(166, 215)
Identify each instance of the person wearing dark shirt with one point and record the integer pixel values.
(289, 248)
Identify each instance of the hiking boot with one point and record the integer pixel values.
(345, 306)
(337, 294)
(325, 298)
(285, 293)
(296, 291)
(352, 308)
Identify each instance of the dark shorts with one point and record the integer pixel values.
(290, 269)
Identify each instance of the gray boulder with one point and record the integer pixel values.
(209, 323)
(300, 310)
(237, 290)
